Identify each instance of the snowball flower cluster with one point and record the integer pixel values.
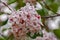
(25, 20)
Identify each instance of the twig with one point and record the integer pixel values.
(48, 7)
(6, 5)
(51, 16)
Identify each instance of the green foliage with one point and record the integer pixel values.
(52, 5)
(4, 29)
(49, 1)
(20, 3)
(3, 23)
(58, 1)
(57, 32)
(38, 0)
(11, 1)
(11, 37)
(1, 13)
(1, 38)
(43, 12)
(35, 35)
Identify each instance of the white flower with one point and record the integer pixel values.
(3, 17)
(38, 6)
(52, 24)
(7, 33)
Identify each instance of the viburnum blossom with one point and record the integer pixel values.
(47, 36)
(25, 20)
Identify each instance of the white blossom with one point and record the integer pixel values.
(3, 17)
(38, 6)
(24, 21)
(7, 33)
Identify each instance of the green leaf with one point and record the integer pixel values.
(3, 23)
(54, 7)
(38, 0)
(20, 4)
(1, 38)
(42, 12)
(11, 37)
(35, 35)
(57, 32)
(40, 34)
(1, 13)
(4, 29)
(11, 1)
(58, 2)
(49, 1)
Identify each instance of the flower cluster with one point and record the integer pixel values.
(47, 36)
(25, 20)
